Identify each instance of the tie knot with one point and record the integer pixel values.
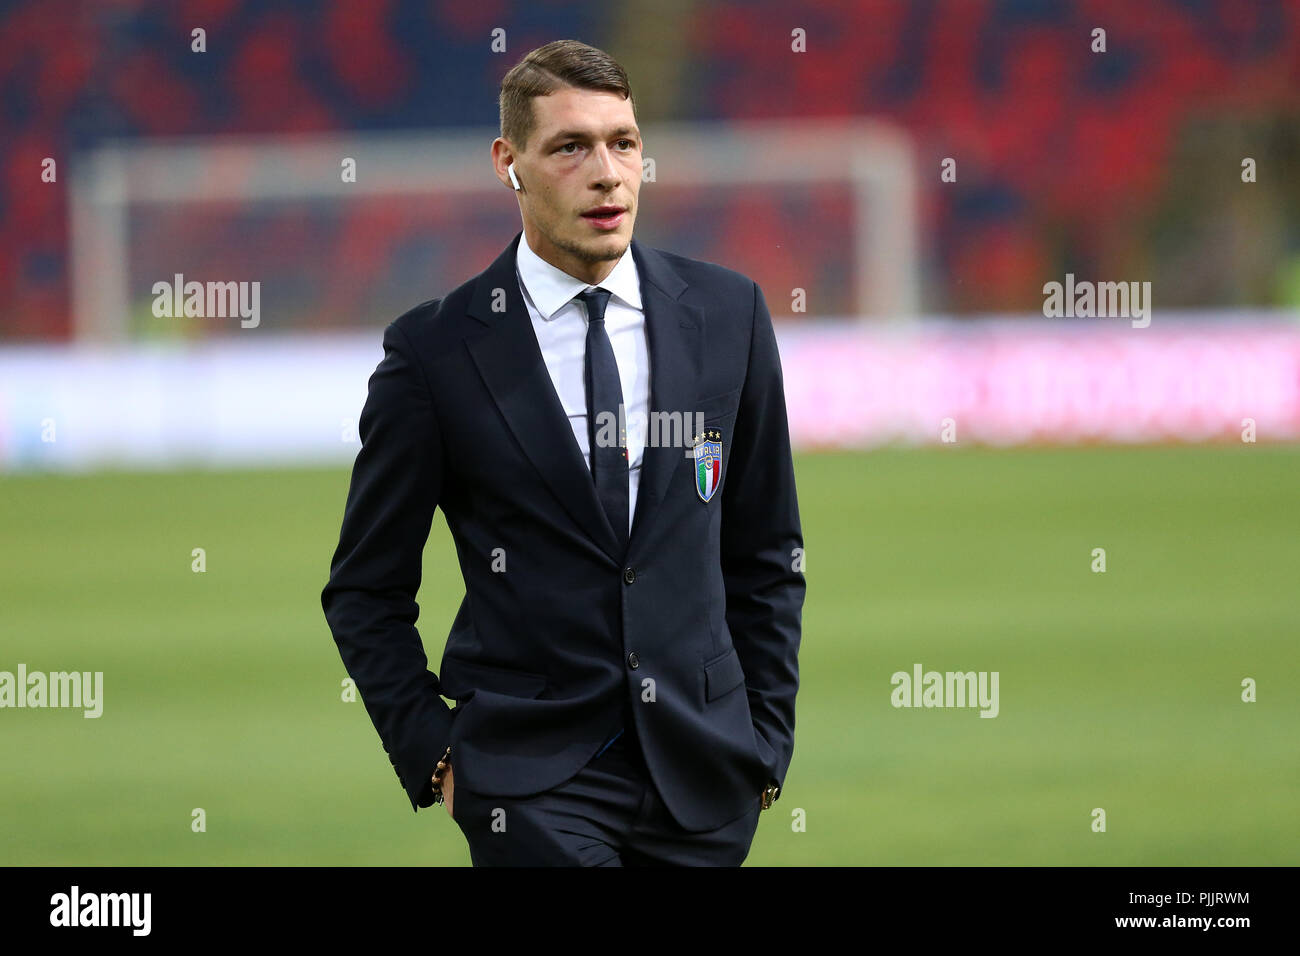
(595, 299)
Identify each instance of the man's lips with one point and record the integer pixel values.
(605, 217)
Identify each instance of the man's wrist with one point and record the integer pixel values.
(439, 773)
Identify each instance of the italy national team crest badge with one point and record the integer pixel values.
(708, 462)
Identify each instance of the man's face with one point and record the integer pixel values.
(584, 154)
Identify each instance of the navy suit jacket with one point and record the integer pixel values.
(696, 626)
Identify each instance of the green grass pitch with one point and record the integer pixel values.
(1121, 690)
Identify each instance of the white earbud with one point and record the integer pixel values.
(513, 178)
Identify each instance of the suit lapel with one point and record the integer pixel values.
(676, 367)
(515, 373)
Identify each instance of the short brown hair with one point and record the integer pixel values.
(548, 68)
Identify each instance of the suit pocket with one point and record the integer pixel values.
(460, 678)
(722, 675)
(718, 406)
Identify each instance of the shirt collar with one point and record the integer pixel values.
(551, 288)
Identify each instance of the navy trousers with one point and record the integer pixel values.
(608, 814)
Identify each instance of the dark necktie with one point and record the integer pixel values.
(605, 394)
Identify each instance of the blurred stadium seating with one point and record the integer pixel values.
(1119, 163)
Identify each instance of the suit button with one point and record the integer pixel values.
(629, 576)
(633, 661)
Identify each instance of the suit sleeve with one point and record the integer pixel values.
(369, 601)
(762, 546)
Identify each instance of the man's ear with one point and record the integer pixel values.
(501, 149)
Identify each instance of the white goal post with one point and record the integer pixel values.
(875, 159)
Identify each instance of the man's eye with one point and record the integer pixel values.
(630, 144)
(567, 145)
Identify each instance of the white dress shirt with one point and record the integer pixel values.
(560, 322)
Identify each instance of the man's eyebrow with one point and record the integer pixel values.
(584, 135)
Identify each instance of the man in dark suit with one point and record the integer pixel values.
(604, 427)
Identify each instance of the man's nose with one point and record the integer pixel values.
(606, 171)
